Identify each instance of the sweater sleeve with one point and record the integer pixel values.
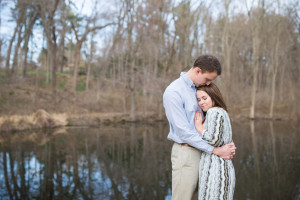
(213, 133)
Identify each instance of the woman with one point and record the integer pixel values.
(216, 175)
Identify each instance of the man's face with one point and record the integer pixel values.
(204, 78)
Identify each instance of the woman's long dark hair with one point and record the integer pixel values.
(213, 91)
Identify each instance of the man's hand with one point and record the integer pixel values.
(226, 151)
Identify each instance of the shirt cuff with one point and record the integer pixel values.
(203, 133)
(210, 150)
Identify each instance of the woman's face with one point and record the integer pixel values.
(204, 100)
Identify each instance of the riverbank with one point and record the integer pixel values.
(43, 119)
(28, 103)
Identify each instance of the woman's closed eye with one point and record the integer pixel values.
(203, 98)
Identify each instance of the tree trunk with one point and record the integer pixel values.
(17, 48)
(48, 65)
(273, 94)
(225, 38)
(256, 43)
(77, 60)
(89, 63)
(254, 73)
(62, 52)
(9, 51)
(274, 69)
(27, 34)
(24, 66)
(47, 13)
(54, 69)
(132, 91)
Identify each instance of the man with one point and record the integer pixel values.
(180, 105)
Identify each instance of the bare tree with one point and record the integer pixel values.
(20, 38)
(90, 58)
(47, 12)
(63, 29)
(31, 19)
(79, 42)
(257, 27)
(19, 15)
(275, 62)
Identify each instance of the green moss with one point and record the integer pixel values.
(2, 101)
(61, 141)
(30, 72)
(62, 85)
(2, 81)
(64, 74)
(42, 82)
(80, 87)
(33, 72)
(19, 101)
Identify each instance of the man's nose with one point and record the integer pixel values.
(208, 83)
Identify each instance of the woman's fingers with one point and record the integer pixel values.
(199, 116)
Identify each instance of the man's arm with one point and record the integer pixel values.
(185, 131)
(226, 151)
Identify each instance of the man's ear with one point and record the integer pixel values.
(198, 70)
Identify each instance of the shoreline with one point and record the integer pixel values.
(42, 119)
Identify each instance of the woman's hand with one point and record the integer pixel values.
(199, 122)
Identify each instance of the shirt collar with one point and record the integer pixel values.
(187, 79)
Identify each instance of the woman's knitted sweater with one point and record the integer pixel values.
(216, 175)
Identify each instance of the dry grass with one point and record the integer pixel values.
(42, 119)
(39, 119)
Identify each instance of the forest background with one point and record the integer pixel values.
(85, 57)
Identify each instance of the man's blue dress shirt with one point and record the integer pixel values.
(180, 103)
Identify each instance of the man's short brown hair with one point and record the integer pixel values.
(208, 63)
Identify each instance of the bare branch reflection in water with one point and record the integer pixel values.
(124, 162)
(267, 162)
(256, 156)
(132, 161)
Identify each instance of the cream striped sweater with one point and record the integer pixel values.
(216, 175)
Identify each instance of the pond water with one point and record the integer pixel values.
(132, 161)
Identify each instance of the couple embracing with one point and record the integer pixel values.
(201, 131)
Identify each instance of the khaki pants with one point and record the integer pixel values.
(185, 171)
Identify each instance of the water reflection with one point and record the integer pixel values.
(133, 162)
(268, 161)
